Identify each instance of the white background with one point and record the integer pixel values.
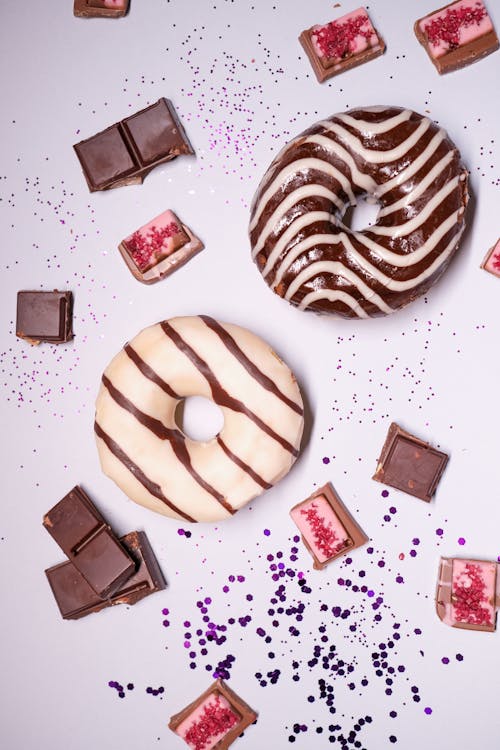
(242, 86)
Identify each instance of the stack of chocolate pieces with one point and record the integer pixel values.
(101, 570)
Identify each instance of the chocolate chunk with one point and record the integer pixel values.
(76, 599)
(159, 248)
(341, 44)
(215, 719)
(491, 262)
(89, 543)
(466, 594)
(127, 151)
(100, 8)
(45, 316)
(328, 530)
(410, 464)
(457, 34)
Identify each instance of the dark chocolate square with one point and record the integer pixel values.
(156, 133)
(409, 464)
(105, 158)
(88, 541)
(76, 598)
(45, 316)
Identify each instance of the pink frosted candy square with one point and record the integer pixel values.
(473, 592)
(454, 26)
(346, 36)
(491, 263)
(320, 527)
(156, 240)
(208, 723)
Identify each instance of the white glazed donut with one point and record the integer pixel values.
(143, 450)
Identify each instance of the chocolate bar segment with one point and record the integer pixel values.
(127, 151)
(341, 44)
(159, 248)
(214, 720)
(491, 263)
(467, 593)
(45, 316)
(76, 598)
(409, 464)
(89, 543)
(327, 528)
(100, 8)
(457, 34)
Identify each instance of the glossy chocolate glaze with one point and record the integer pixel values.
(421, 188)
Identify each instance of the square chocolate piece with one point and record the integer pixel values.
(127, 151)
(89, 543)
(156, 133)
(106, 160)
(214, 720)
(45, 316)
(76, 598)
(100, 8)
(457, 34)
(159, 248)
(491, 263)
(327, 528)
(341, 44)
(410, 464)
(466, 595)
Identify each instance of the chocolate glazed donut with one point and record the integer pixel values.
(392, 156)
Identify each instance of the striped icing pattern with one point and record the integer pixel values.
(392, 156)
(141, 446)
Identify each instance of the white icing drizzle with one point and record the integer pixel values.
(411, 197)
(374, 156)
(334, 296)
(411, 224)
(375, 128)
(274, 221)
(337, 268)
(295, 227)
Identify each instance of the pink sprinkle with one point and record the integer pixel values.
(461, 540)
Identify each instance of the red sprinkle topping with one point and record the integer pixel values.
(325, 537)
(496, 261)
(215, 721)
(446, 28)
(143, 246)
(469, 596)
(336, 39)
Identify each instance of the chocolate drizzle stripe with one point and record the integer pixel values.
(148, 372)
(249, 366)
(219, 394)
(175, 438)
(246, 468)
(153, 488)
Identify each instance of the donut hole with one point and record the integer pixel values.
(363, 215)
(199, 418)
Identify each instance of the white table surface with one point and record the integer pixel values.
(242, 86)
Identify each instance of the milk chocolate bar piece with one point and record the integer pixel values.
(159, 248)
(45, 316)
(76, 599)
(214, 720)
(491, 263)
(468, 593)
(328, 530)
(128, 150)
(457, 34)
(341, 44)
(410, 464)
(100, 8)
(89, 543)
